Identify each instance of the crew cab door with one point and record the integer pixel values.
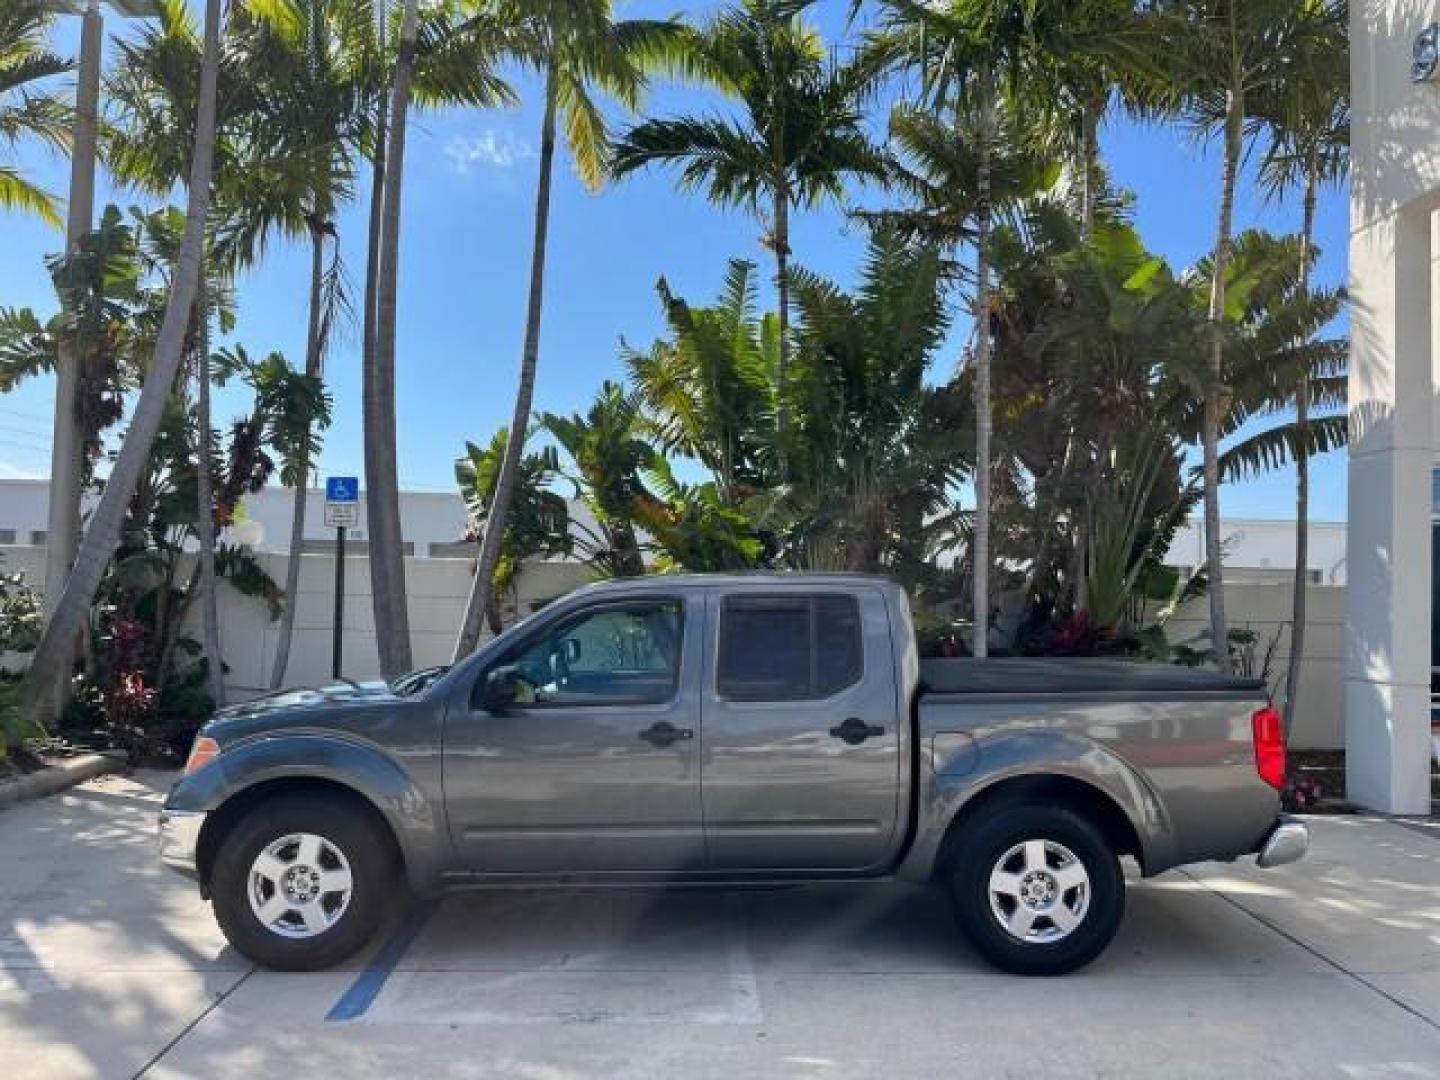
(596, 765)
(802, 744)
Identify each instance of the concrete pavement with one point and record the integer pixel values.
(110, 966)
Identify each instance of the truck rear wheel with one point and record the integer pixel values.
(302, 882)
(1037, 889)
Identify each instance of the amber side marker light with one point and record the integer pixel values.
(1269, 732)
(204, 751)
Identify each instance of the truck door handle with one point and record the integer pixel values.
(662, 733)
(855, 731)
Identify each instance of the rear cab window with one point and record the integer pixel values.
(788, 646)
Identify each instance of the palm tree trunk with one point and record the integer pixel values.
(1302, 478)
(1090, 163)
(980, 540)
(302, 482)
(483, 583)
(369, 380)
(205, 511)
(387, 555)
(1234, 119)
(103, 535)
(781, 240)
(67, 451)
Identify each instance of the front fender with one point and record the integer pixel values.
(955, 774)
(418, 826)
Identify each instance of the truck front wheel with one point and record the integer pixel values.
(302, 882)
(1037, 889)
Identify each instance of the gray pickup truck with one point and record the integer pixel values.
(755, 728)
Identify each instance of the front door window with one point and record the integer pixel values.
(626, 654)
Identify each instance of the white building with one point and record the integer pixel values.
(1393, 401)
(1259, 552)
(433, 524)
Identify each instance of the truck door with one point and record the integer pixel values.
(800, 723)
(596, 766)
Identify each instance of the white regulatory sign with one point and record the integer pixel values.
(342, 515)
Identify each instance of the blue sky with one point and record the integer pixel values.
(469, 195)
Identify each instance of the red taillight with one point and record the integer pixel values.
(1269, 731)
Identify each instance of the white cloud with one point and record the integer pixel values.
(493, 149)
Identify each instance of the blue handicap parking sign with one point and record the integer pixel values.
(342, 489)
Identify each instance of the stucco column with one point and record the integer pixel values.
(1392, 453)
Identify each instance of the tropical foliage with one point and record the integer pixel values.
(1010, 404)
(29, 106)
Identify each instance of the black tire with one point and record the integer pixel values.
(354, 832)
(1100, 901)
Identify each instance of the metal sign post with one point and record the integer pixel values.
(342, 512)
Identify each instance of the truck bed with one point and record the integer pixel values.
(1074, 675)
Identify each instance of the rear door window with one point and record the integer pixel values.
(791, 647)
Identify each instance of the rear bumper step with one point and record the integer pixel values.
(1288, 841)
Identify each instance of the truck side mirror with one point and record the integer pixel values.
(501, 689)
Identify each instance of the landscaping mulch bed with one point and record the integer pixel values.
(1323, 772)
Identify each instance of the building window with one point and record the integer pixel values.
(7, 536)
(37, 537)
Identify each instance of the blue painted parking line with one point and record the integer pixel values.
(368, 984)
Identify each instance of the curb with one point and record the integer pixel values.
(60, 776)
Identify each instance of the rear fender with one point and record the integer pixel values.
(952, 781)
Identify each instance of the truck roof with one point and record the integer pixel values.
(748, 577)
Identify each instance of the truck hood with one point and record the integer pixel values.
(308, 700)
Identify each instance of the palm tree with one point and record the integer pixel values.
(1210, 61)
(539, 520)
(282, 167)
(1309, 123)
(155, 92)
(1072, 86)
(205, 509)
(310, 61)
(382, 482)
(52, 656)
(26, 111)
(609, 452)
(876, 472)
(799, 133)
(577, 48)
(708, 389)
(436, 59)
(975, 58)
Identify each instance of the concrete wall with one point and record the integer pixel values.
(437, 589)
(1265, 609)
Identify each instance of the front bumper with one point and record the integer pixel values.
(1288, 841)
(179, 838)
